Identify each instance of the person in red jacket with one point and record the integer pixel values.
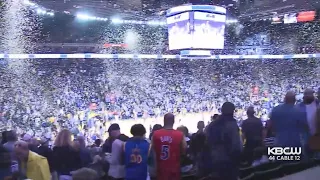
(168, 146)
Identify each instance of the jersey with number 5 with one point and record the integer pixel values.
(167, 147)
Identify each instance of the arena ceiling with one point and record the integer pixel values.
(126, 9)
(259, 9)
(154, 9)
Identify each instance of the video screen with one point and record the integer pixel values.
(179, 31)
(208, 31)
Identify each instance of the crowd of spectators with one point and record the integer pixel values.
(214, 152)
(56, 113)
(83, 92)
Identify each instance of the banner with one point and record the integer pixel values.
(306, 16)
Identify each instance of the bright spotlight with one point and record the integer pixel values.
(116, 20)
(41, 11)
(50, 13)
(29, 3)
(83, 16)
(231, 21)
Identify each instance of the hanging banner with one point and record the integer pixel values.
(306, 16)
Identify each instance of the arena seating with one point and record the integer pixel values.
(274, 170)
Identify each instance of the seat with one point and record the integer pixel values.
(317, 161)
(244, 172)
(248, 177)
(269, 174)
(267, 166)
(291, 168)
(313, 163)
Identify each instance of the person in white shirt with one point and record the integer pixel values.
(117, 168)
(309, 107)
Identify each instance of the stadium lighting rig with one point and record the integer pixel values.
(87, 17)
(38, 9)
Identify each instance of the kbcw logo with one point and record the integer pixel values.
(286, 153)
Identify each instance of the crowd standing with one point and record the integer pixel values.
(215, 151)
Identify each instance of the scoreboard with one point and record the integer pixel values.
(196, 27)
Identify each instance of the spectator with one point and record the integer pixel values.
(65, 158)
(168, 145)
(252, 134)
(196, 145)
(5, 163)
(186, 161)
(4, 137)
(11, 138)
(96, 149)
(33, 145)
(117, 169)
(152, 168)
(202, 157)
(309, 108)
(269, 135)
(84, 152)
(46, 152)
(155, 128)
(136, 152)
(185, 132)
(318, 121)
(224, 141)
(313, 142)
(106, 147)
(288, 123)
(31, 165)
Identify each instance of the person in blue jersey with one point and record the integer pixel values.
(136, 152)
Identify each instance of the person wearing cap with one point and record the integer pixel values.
(112, 136)
(224, 142)
(117, 168)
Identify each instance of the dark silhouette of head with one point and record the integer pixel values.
(184, 130)
(11, 136)
(308, 96)
(138, 130)
(156, 127)
(168, 120)
(250, 111)
(227, 109)
(290, 98)
(200, 126)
